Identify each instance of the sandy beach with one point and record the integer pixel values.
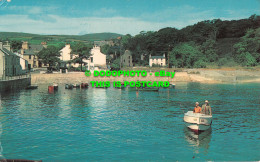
(190, 75)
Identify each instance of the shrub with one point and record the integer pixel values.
(200, 64)
(222, 61)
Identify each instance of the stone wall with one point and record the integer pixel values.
(81, 78)
(10, 85)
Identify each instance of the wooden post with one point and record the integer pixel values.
(169, 56)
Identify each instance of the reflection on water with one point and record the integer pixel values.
(116, 124)
(198, 139)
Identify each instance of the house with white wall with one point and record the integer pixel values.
(23, 63)
(157, 60)
(97, 60)
(9, 62)
(67, 56)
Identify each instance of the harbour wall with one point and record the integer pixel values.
(15, 84)
(80, 77)
(204, 76)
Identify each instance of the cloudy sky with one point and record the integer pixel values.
(117, 16)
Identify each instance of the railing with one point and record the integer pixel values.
(6, 78)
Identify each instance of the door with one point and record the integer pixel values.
(29, 67)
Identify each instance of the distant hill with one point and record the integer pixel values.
(100, 36)
(56, 39)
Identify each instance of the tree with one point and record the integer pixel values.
(105, 49)
(186, 55)
(116, 64)
(125, 41)
(208, 48)
(247, 51)
(82, 51)
(16, 45)
(49, 56)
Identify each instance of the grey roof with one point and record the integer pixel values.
(36, 47)
(127, 52)
(33, 49)
(157, 57)
(7, 52)
(29, 52)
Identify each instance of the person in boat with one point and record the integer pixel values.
(197, 108)
(206, 109)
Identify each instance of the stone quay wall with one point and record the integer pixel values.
(79, 77)
(15, 84)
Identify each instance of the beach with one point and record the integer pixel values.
(189, 75)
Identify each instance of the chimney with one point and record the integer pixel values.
(22, 51)
(1, 45)
(7, 46)
(164, 55)
(25, 45)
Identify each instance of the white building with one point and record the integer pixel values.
(97, 59)
(67, 56)
(9, 62)
(23, 63)
(157, 60)
(65, 53)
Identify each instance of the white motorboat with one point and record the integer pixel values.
(197, 121)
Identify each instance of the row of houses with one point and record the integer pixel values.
(12, 64)
(97, 59)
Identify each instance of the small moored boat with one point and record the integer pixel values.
(32, 87)
(197, 121)
(68, 86)
(76, 85)
(122, 86)
(171, 86)
(84, 85)
(55, 85)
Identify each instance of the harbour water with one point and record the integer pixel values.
(119, 125)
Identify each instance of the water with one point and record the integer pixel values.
(114, 125)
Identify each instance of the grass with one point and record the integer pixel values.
(55, 39)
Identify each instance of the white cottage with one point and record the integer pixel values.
(157, 60)
(97, 59)
(9, 62)
(67, 56)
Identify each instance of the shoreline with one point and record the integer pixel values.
(191, 75)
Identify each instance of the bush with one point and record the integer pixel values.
(156, 65)
(250, 60)
(222, 61)
(200, 64)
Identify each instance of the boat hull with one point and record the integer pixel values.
(197, 121)
(197, 127)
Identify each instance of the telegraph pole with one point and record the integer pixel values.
(120, 51)
(169, 56)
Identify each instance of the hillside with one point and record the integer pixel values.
(56, 39)
(225, 46)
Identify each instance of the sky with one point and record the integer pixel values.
(78, 17)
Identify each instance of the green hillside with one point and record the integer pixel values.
(56, 39)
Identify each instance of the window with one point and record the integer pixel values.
(30, 57)
(91, 59)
